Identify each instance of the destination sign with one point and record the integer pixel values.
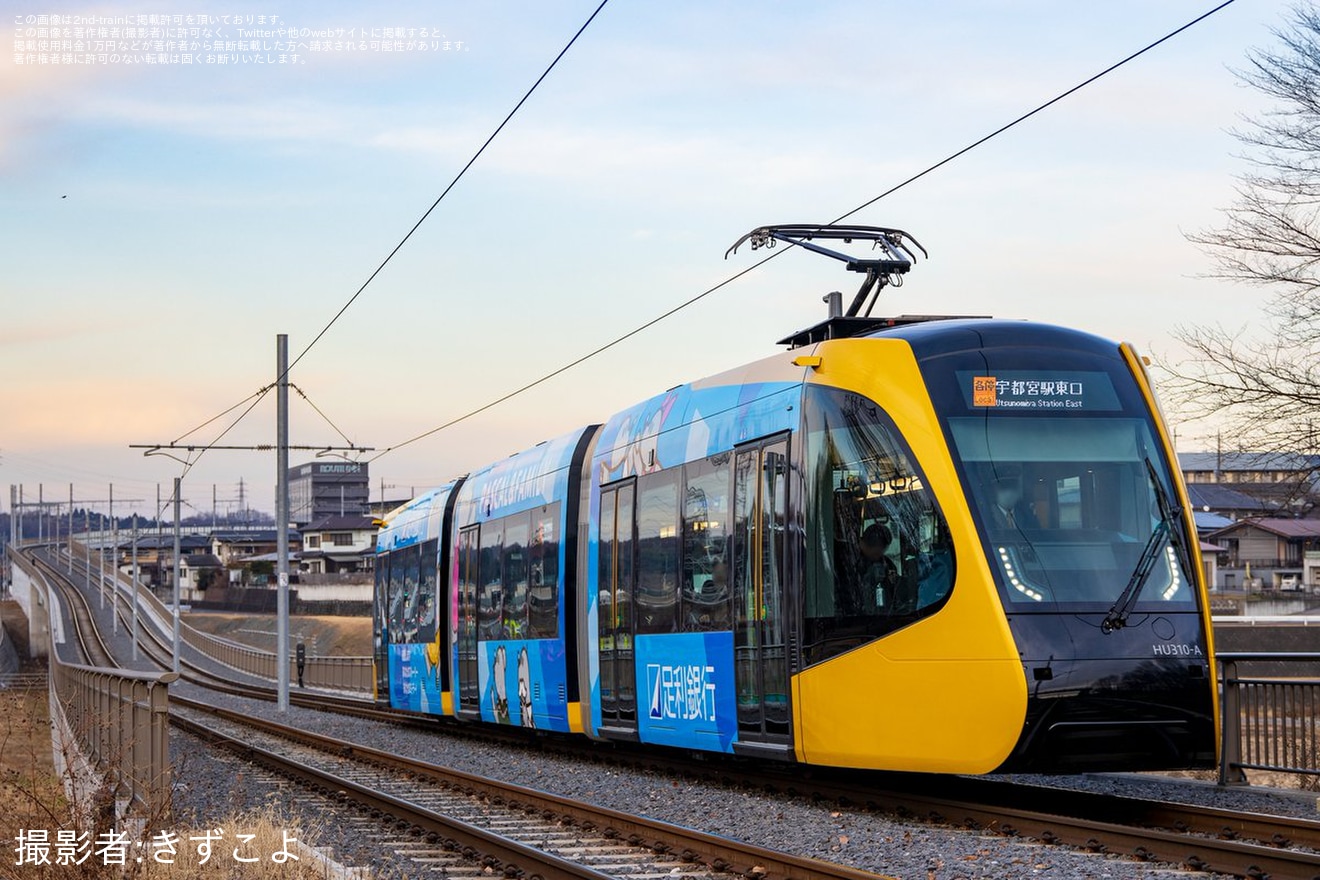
(1038, 389)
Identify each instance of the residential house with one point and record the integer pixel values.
(250, 556)
(197, 572)
(155, 557)
(339, 545)
(1243, 484)
(1270, 553)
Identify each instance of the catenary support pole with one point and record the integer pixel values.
(177, 481)
(282, 521)
(114, 559)
(133, 593)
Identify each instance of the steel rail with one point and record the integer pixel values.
(1276, 831)
(88, 635)
(500, 854)
(718, 853)
(1123, 828)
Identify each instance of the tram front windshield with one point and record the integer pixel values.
(1073, 496)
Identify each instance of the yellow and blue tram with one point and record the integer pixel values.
(935, 545)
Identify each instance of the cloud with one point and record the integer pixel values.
(19, 334)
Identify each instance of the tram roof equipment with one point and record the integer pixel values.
(898, 249)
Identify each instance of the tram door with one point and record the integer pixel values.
(469, 697)
(760, 521)
(618, 679)
(381, 636)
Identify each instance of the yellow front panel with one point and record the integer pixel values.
(947, 693)
(1138, 369)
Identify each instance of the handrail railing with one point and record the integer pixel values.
(119, 719)
(346, 673)
(1269, 721)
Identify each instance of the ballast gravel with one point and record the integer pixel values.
(855, 837)
(211, 784)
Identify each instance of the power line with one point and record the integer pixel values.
(218, 416)
(864, 205)
(452, 184)
(326, 418)
(192, 462)
(188, 465)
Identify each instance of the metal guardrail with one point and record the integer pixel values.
(1271, 721)
(119, 719)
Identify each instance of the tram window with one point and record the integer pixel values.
(490, 589)
(657, 551)
(466, 634)
(543, 574)
(1085, 483)
(515, 576)
(425, 612)
(397, 597)
(705, 543)
(384, 598)
(411, 559)
(879, 554)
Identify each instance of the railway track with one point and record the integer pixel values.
(87, 635)
(1202, 838)
(513, 827)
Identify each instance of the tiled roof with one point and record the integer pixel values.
(341, 524)
(1284, 528)
(1247, 461)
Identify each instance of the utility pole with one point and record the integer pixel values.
(160, 569)
(282, 449)
(40, 511)
(133, 594)
(282, 520)
(71, 530)
(176, 572)
(87, 546)
(114, 558)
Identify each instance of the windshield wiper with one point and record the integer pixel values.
(1168, 526)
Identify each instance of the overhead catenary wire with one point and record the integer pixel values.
(863, 206)
(390, 256)
(324, 417)
(215, 418)
(457, 177)
(192, 461)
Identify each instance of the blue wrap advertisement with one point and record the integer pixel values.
(522, 683)
(413, 677)
(685, 690)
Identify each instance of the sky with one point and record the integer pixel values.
(162, 223)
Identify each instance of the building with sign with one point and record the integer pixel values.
(321, 489)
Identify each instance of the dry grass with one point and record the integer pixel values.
(30, 794)
(32, 798)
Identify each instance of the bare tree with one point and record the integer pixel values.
(1262, 384)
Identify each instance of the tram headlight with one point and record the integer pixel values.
(1175, 573)
(1016, 579)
